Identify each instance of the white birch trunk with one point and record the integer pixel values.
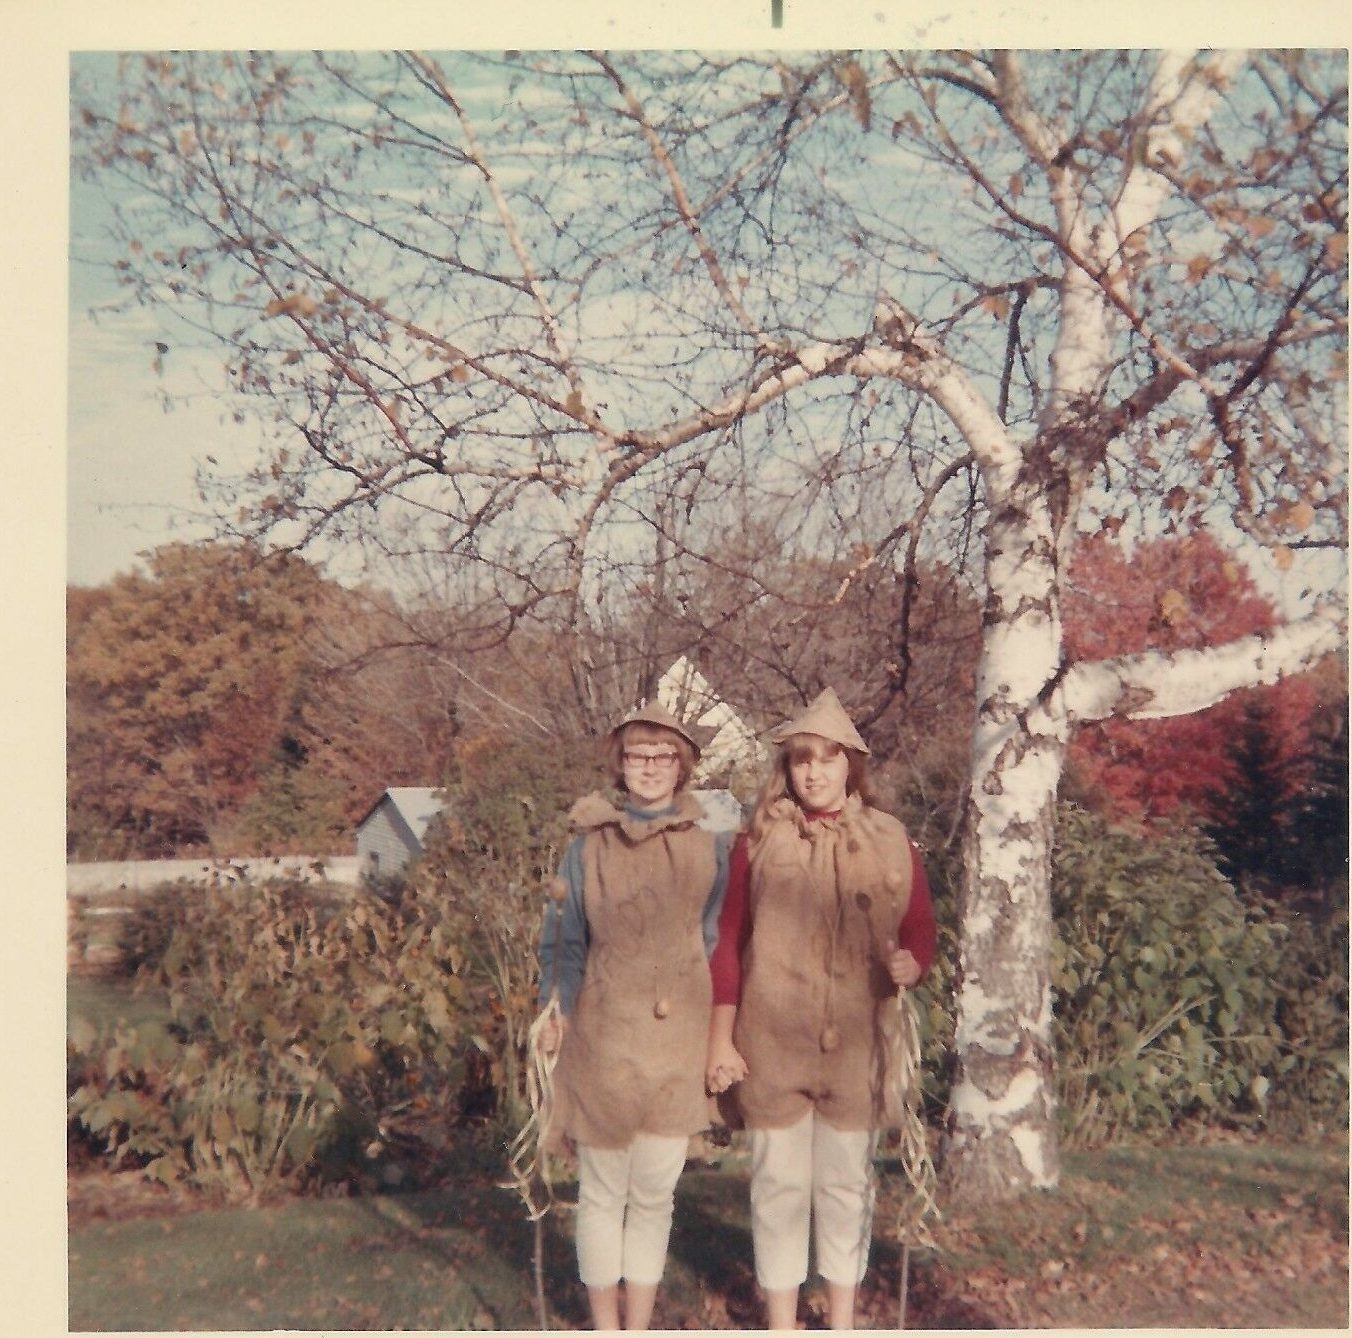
(1002, 1131)
(1002, 1114)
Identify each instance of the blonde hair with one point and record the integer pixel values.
(640, 731)
(777, 786)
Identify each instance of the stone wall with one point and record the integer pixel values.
(112, 877)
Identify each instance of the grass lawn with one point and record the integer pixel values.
(1234, 1234)
(1241, 1233)
(1238, 1232)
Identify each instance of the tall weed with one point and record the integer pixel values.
(306, 1041)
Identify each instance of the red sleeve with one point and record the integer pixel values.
(917, 932)
(734, 929)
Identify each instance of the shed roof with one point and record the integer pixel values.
(417, 805)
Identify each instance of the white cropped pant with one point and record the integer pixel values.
(811, 1171)
(624, 1207)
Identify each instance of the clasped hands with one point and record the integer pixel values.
(723, 1067)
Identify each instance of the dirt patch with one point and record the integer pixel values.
(96, 1195)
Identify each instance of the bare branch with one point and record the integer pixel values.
(433, 72)
(682, 202)
(1157, 684)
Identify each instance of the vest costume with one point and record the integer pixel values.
(632, 1060)
(817, 1019)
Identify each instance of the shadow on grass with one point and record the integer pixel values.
(489, 1227)
(934, 1298)
(710, 1272)
(711, 1255)
(458, 1257)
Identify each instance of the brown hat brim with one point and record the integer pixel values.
(655, 715)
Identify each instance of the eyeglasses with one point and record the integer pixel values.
(640, 760)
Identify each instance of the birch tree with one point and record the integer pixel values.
(532, 313)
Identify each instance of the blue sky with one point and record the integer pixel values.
(131, 463)
(131, 460)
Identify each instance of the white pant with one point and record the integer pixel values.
(624, 1205)
(811, 1170)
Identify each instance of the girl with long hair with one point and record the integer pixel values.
(827, 915)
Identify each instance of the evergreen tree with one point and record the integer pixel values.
(1280, 820)
(1319, 851)
(1251, 814)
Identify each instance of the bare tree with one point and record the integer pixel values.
(524, 310)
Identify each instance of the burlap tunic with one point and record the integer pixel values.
(632, 1060)
(817, 1019)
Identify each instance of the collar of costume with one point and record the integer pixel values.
(594, 811)
(813, 825)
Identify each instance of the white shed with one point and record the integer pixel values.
(722, 812)
(392, 832)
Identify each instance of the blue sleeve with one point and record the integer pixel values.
(713, 908)
(564, 938)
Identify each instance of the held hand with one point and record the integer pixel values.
(723, 1068)
(903, 968)
(552, 1033)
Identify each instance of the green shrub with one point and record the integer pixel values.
(1176, 1000)
(307, 1042)
(1308, 1079)
(926, 793)
(933, 1000)
(501, 841)
(1164, 997)
(147, 925)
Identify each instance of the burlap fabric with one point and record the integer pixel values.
(632, 1060)
(825, 717)
(662, 718)
(817, 1009)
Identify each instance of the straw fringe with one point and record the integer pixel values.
(527, 1161)
(918, 1204)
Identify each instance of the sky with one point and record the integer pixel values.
(139, 423)
(131, 460)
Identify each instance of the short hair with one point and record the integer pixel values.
(640, 731)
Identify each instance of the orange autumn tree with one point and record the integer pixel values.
(179, 682)
(1185, 593)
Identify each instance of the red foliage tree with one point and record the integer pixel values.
(1175, 593)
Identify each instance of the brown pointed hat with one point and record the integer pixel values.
(825, 717)
(655, 715)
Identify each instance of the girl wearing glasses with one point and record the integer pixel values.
(827, 915)
(626, 946)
